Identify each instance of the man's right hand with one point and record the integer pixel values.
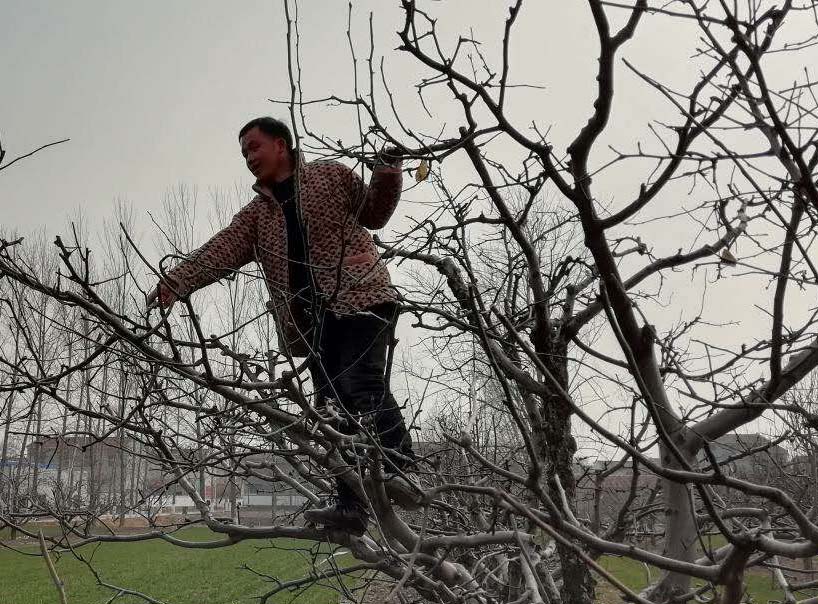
(162, 296)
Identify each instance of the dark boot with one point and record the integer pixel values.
(349, 516)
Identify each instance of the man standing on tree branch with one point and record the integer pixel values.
(329, 290)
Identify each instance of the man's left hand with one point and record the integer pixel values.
(389, 156)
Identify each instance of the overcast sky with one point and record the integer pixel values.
(152, 94)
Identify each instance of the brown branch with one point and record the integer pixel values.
(29, 154)
(55, 578)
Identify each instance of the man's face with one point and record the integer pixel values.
(266, 156)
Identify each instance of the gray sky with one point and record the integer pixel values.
(152, 94)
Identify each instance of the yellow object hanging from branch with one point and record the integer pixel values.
(423, 171)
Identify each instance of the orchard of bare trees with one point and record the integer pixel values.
(588, 312)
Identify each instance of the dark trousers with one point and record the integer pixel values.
(353, 371)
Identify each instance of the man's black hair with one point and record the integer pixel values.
(271, 127)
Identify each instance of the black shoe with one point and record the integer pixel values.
(350, 517)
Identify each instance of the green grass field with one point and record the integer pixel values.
(165, 572)
(635, 576)
(175, 575)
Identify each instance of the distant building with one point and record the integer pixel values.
(115, 475)
(604, 488)
(750, 456)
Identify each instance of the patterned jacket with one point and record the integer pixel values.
(337, 208)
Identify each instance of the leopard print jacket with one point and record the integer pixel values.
(337, 208)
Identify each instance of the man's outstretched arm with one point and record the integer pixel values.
(228, 250)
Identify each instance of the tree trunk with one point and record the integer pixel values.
(578, 585)
(24, 454)
(123, 392)
(6, 477)
(62, 449)
(596, 522)
(813, 475)
(680, 529)
(38, 442)
(136, 460)
(5, 473)
(38, 451)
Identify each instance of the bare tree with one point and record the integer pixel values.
(755, 196)
(553, 322)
